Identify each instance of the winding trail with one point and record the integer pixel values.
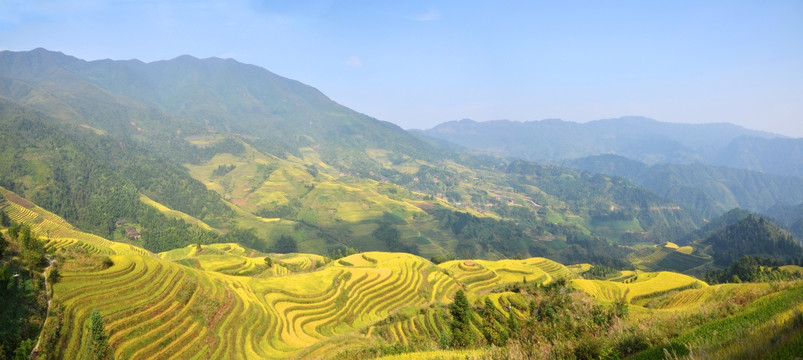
(35, 352)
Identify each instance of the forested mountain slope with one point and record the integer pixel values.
(709, 190)
(204, 150)
(279, 115)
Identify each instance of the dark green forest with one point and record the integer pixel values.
(753, 235)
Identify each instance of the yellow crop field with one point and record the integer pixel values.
(479, 276)
(205, 140)
(669, 256)
(175, 214)
(56, 231)
(640, 287)
(792, 268)
(579, 268)
(233, 259)
(685, 250)
(691, 298)
(156, 308)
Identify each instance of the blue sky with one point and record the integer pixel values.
(419, 63)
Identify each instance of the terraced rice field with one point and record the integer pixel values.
(694, 297)
(764, 323)
(151, 305)
(669, 256)
(792, 268)
(56, 231)
(478, 276)
(439, 355)
(154, 307)
(233, 259)
(642, 288)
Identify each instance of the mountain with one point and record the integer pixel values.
(708, 190)
(277, 114)
(754, 236)
(94, 180)
(713, 250)
(790, 216)
(775, 156)
(638, 138)
(642, 139)
(721, 222)
(210, 150)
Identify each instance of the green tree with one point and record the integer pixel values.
(462, 335)
(5, 220)
(23, 352)
(490, 326)
(99, 348)
(3, 245)
(198, 235)
(33, 251)
(268, 262)
(285, 244)
(513, 324)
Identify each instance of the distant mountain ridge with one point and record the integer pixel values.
(643, 139)
(709, 190)
(789, 215)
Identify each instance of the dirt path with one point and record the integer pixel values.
(35, 352)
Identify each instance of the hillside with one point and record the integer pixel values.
(720, 244)
(157, 99)
(209, 150)
(708, 190)
(191, 303)
(753, 235)
(716, 224)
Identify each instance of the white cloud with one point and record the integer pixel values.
(354, 61)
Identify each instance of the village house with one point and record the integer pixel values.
(132, 232)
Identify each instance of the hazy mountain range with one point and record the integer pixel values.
(638, 138)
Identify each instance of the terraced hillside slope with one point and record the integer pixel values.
(159, 309)
(223, 301)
